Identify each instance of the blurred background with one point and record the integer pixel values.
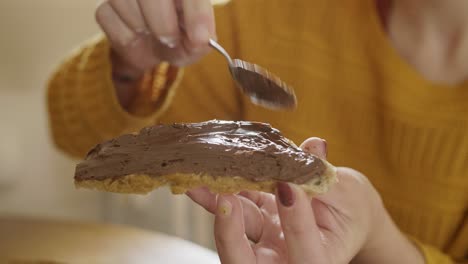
(36, 180)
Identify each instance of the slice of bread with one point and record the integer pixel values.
(225, 156)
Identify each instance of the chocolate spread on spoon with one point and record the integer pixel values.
(251, 150)
(262, 87)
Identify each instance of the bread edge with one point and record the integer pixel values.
(180, 183)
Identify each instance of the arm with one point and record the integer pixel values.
(387, 244)
(348, 224)
(433, 255)
(82, 102)
(87, 105)
(395, 247)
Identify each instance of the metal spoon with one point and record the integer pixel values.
(262, 87)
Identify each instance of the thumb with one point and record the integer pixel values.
(315, 146)
(318, 147)
(321, 203)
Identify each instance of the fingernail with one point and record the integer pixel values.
(168, 41)
(200, 35)
(224, 206)
(285, 194)
(325, 147)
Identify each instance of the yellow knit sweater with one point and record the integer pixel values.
(379, 116)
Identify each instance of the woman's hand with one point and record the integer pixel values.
(145, 32)
(349, 222)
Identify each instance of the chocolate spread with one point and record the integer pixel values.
(252, 150)
(262, 87)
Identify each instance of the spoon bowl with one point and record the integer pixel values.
(262, 87)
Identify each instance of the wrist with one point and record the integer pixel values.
(122, 71)
(387, 244)
(126, 79)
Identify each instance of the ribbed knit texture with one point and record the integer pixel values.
(379, 115)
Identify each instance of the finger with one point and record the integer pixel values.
(231, 241)
(262, 200)
(315, 146)
(203, 197)
(299, 227)
(254, 196)
(199, 22)
(116, 30)
(253, 219)
(161, 19)
(252, 215)
(130, 13)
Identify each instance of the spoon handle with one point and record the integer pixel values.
(213, 44)
(221, 50)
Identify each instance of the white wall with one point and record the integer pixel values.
(35, 179)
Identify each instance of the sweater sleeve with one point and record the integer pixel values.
(432, 255)
(84, 109)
